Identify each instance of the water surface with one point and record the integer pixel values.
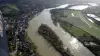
(76, 48)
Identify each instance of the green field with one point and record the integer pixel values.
(79, 20)
(75, 31)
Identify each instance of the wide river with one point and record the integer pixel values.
(44, 48)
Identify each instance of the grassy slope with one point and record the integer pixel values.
(90, 27)
(76, 31)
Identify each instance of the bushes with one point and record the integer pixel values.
(53, 39)
(32, 46)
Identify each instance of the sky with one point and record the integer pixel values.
(69, 1)
(59, 2)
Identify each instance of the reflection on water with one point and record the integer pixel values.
(62, 6)
(94, 17)
(44, 48)
(79, 7)
(76, 48)
(74, 43)
(93, 4)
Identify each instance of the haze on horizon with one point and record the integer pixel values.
(51, 2)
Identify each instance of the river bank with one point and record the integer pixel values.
(53, 39)
(43, 48)
(76, 48)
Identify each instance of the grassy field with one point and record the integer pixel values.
(78, 19)
(75, 31)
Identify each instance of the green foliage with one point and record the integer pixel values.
(19, 53)
(75, 31)
(11, 48)
(33, 47)
(9, 10)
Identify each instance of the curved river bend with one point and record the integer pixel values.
(76, 48)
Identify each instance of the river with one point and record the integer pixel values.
(45, 49)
